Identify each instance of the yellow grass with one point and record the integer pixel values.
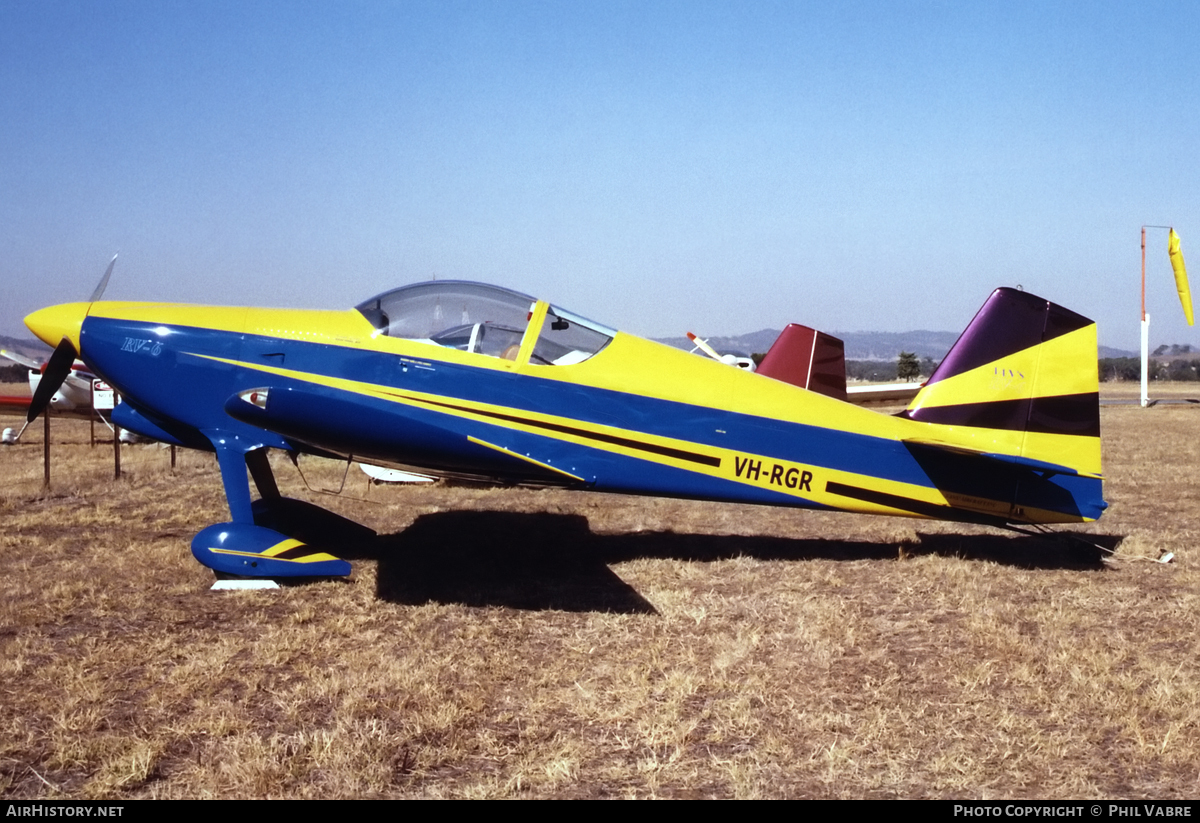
(518, 643)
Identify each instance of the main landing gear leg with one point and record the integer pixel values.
(243, 548)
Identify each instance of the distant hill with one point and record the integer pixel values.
(860, 345)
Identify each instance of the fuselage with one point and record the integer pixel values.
(634, 416)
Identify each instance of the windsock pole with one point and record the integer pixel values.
(1145, 331)
(1185, 299)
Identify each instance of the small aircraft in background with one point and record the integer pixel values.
(464, 379)
(74, 393)
(728, 358)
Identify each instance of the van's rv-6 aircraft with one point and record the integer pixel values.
(470, 380)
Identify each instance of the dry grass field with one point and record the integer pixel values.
(520, 643)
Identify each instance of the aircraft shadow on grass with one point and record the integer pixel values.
(555, 561)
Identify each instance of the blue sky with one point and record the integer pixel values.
(660, 167)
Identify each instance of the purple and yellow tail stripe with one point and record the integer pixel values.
(1045, 370)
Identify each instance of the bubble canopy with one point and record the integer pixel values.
(487, 320)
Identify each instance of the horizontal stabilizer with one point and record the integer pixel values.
(1008, 459)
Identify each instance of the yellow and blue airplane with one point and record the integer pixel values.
(466, 379)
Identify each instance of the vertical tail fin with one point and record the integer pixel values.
(809, 359)
(1025, 368)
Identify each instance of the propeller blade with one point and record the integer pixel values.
(52, 379)
(103, 281)
(703, 346)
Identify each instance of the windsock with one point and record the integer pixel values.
(1181, 281)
